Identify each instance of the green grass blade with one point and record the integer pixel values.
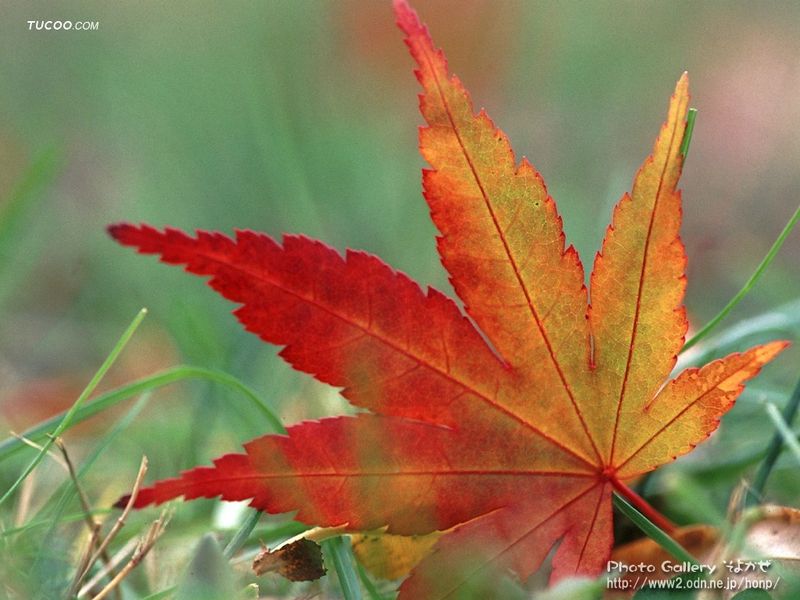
(67, 492)
(339, 551)
(781, 321)
(12, 445)
(19, 215)
(66, 421)
(687, 135)
(773, 251)
(24, 195)
(372, 591)
(71, 518)
(652, 531)
(162, 594)
(774, 450)
(789, 437)
(120, 426)
(242, 535)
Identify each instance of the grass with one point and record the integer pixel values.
(66, 421)
(749, 284)
(338, 549)
(108, 400)
(54, 515)
(652, 531)
(283, 126)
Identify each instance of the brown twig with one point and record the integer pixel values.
(87, 509)
(90, 559)
(145, 545)
(116, 560)
(83, 564)
(94, 525)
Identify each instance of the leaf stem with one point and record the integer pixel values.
(643, 506)
(773, 251)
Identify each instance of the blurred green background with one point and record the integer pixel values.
(301, 116)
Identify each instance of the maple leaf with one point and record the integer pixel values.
(517, 446)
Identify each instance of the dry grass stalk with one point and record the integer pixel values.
(106, 571)
(90, 558)
(144, 546)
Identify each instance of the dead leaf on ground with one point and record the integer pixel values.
(300, 560)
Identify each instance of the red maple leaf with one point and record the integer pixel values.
(517, 445)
